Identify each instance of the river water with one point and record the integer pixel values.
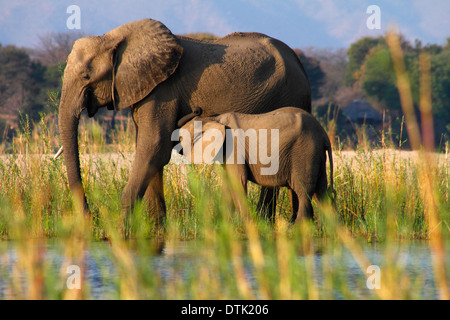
(181, 260)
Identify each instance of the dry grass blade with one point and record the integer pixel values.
(425, 163)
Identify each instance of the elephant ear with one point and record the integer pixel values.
(148, 54)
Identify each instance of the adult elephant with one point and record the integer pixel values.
(161, 76)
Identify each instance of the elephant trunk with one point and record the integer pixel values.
(69, 118)
(196, 112)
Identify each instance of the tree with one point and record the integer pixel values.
(440, 89)
(15, 84)
(378, 79)
(314, 71)
(333, 63)
(54, 48)
(357, 56)
(25, 83)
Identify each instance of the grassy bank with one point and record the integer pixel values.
(381, 199)
(373, 186)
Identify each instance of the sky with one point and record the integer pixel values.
(299, 23)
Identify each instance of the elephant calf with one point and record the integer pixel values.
(297, 157)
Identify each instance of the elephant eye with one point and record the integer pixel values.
(85, 76)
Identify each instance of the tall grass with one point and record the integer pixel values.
(387, 200)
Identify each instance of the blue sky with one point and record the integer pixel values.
(299, 23)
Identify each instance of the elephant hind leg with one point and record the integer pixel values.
(322, 182)
(294, 204)
(304, 208)
(267, 203)
(303, 195)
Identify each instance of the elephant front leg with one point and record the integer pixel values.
(237, 187)
(145, 179)
(153, 151)
(154, 197)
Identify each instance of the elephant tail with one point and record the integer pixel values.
(331, 190)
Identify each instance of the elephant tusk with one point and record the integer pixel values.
(61, 150)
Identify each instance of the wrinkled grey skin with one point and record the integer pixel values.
(303, 144)
(161, 76)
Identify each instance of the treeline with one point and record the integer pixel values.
(365, 71)
(30, 79)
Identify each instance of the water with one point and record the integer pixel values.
(164, 264)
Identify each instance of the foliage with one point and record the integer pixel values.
(357, 55)
(54, 48)
(440, 70)
(378, 78)
(25, 83)
(333, 63)
(316, 76)
(379, 82)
